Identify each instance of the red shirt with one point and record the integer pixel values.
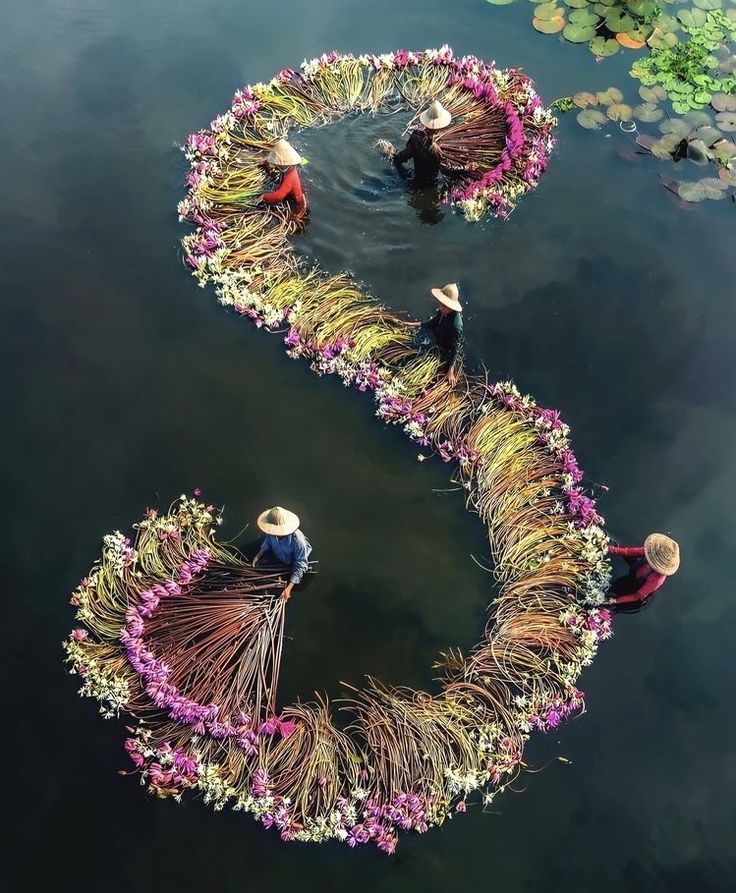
(290, 186)
(645, 580)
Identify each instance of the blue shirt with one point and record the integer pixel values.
(293, 550)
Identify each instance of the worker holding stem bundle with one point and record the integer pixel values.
(444, 330)
(285, 541)
(423, 149)
(649, 567)
(284, 157)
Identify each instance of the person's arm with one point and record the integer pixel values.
(455, 352)
(284, 190)
(400, 158)
(650, 584)
(299, 566)
(626, 551)
(261, 552)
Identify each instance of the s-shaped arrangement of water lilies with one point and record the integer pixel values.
(181, 633)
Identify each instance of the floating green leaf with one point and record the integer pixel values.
(653, 94)
(591, 119)
(692, 18)
(619, 111)
(708, 4)
(675, 126)
(648, 112)
(610, 96)
(726, 121)
(603, 48)
(548, 11)
(697, 152)
(618, 21)
(661, 40)
(583, 100)
(714, 187)
(577, 4)
(584, 17)
(500, 2)
(578, 33)
(691, 192)
(553, 26)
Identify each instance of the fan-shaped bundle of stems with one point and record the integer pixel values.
(197, 663)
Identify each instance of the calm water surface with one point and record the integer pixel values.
(123, 385)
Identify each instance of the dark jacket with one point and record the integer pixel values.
(447, 329)
(425, 155)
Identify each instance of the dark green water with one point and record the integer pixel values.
(123, 385)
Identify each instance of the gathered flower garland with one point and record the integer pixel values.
(407, 760)
(364, 83)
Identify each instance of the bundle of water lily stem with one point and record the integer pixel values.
(182, 634)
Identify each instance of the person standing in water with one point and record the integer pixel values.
(421, 147)
(445, 329)
(285, 541)
(649, 567)
(284, 157)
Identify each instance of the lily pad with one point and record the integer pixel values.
(583, 100)
(727, 176)
(722, 102)
(707, 134)
(576, 4)
(648, 112)
(610, 96)
(708, 4)
(662, 40)
(726, 121)
(663, 148)
(551, 26)
(548, 11)
(698, 119)
(715, 188)
(619, 111)
(724, 151)
(591, 119)
(666, 23)
(578, 33)
(626, 40)
(603, 48)
(692, 18)
(675, 126)
(501, 2)
(653, 94)
(697, 152)
(619, 21)
(691, 192)
(584, 17)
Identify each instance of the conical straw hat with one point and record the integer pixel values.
(449, 296)
(662, 553)
(283, 154)
(436, 116)
(278, 521)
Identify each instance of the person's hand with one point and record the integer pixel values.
(452, 377)
(286, 594)
(472, 165)
(256, 559)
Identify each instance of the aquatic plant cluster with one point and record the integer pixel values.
(688, 64)
(153, 610)
(498, 144)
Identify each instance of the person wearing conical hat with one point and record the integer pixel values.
(445, 328)
(421, 147)
(285, 541)
(649, 567)
(284, 157)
